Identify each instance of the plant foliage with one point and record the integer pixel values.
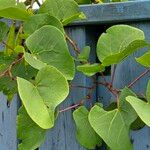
(35, 62)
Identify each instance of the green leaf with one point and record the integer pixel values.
(42, 97)
(8, 87)
(3, 30)
(24, 70)
(10, 40)
(54, 51)
(37, 21)
(112, 50)
(90, 69)
(142, 108)
(5, 61)
(30, 134)
(144, 60)
(112, 106)
(128, 113)
(6, 3)
(19, 49)
(110, 126)
(84, 55)
(85, 134)
(148, 91)
(65, 10)
(10, 9)
(79, 15)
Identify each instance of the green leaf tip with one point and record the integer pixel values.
(40, 99)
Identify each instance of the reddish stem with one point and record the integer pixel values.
(69, 108)
(138, 78)
(74, 45)
(7, 72)
(88, 97)
(114, 91)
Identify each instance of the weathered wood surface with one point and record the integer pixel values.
(62, 136)
(8, 124)
(115, 12)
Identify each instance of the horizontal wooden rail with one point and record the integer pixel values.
(115, 12)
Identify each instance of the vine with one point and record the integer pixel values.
(35, 62)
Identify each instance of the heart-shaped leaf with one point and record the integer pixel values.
(110, 126)
(41, 98)
(30, 134)
(54, 8)
(118, 42)
(85, 134)
(54, 51)
(141, 107)
(37, 21)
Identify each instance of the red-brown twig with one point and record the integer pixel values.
(74, 45)
(138, 78)
(113, 90)
(7, 72)
(108, 85)
(88, 97)
(70, 107)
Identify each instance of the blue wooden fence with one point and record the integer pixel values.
(86, 32)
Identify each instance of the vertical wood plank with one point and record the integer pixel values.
(8, 139)
(104, 95)
(62, 136)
